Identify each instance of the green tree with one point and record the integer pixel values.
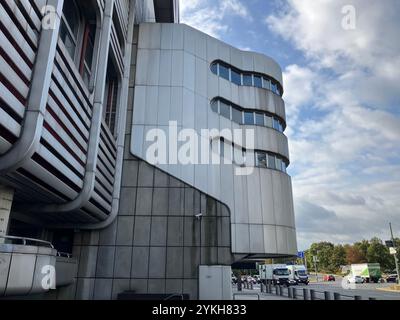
(362, 248)
(323, 251)
(378, 253)
(338, 258)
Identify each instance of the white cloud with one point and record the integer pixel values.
(344, 135)
(209, 16)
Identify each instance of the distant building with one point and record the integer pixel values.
(82, 85)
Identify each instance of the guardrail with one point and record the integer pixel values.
(306, 294)
(25, 241)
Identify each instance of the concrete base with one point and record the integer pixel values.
(215, 283)
(6, 199)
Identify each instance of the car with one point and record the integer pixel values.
(329, 277)
(355, 279)
(391, 278)
(252, 280)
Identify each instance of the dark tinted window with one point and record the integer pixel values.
(261, 159)
(223, 72)
(225, 110)
(247, 80)
(260, 119)
(257, 82)
(266, 83)
(214, 106)
(237, 116)
(214, 68)
(236, 77)
(271, 162)
(249, 118)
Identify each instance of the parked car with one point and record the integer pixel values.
(329, 277)
(391, 278)
(355, 279)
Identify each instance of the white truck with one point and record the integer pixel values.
(298, 273)
(275, 273)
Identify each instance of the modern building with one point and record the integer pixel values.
(87, 90)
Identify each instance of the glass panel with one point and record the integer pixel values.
(237, 115)
(260, 119)
(276, 124)
(257, 82)
(225, 110)
(236, 77)
(223, 72)
(266, 84)
(274, 88)
(280, 127)
(283, 166)
(278, 164)
(65, 37)
(214, 68)
(261, 159)
(249, 118)
(247, 80)
(271, 162)
(268, 121)
(71, 14)
(214, 106)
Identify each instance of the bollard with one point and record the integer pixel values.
(357, 298)
(327, 295)
(312, 295)
(371, 298)
(294, 293)
(261, 287)
(269, 287)
(277, 290)
(336, 296)
(251, 286)
(280, 290)
(305, 294)
(290, 293)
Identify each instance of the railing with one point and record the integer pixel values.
(175, 295)
(25, 241)
(307, 294)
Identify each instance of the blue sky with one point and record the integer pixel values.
(342, 95)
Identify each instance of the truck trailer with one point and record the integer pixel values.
(370, 272)
(275, 274)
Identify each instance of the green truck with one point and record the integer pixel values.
(370, 272)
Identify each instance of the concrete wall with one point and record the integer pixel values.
(156, 244)
(174, 83)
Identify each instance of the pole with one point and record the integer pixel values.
(395, 255)
(315, 266)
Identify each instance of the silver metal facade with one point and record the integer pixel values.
(174, 83)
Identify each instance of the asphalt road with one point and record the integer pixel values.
(365, 290)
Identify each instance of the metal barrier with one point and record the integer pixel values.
(246, 294)
(25, 241)
(307, 294)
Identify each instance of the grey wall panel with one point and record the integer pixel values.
(264, 197)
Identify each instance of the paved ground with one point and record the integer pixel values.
(255, 294)
(366, 291)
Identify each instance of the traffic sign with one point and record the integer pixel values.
(300, 254)
(389, 243)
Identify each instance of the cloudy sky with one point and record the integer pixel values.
(342, 99)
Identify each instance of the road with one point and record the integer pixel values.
(366, 291)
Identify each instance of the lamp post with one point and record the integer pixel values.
(395, 254)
